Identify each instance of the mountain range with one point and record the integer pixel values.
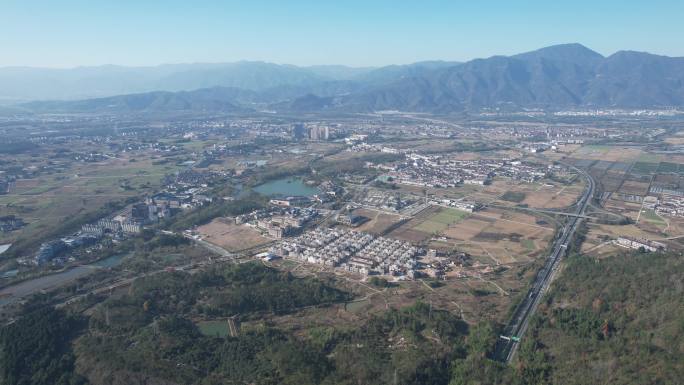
(561, 76)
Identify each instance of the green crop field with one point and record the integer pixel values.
(652, 217)
(528, 244)
(649, 158)
(513, 196)
(441, 220)
(645, 167)
(213, 328)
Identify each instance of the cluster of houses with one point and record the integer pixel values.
(459, 204)
(6, 185)
(386, 200)
(670, 205)
(192, 178)
(184, 191)
(366, 147)
(352, 251)
(54, 251)
(298, 200)
(116, 227)
(10, 223)
(91, 157)
(286, 224)
(278, 221)
(640, 244)
(438, 171)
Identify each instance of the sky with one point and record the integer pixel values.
(68, 33)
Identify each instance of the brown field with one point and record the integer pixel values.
(538, 195)
(635, 188)
(648, 225)
(483, 194)
(611, 180)
(608, 153)
(222, 232)
(378, 222)
(407, 231)
(549, 199)
(627, 209)
(676, 139)
(674, 159)
(500, 237)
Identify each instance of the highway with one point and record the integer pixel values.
(507, 344)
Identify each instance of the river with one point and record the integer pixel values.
(23, 289)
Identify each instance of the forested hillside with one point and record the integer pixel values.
(618, 320)
(613, 321)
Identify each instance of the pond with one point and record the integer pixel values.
(285, 187)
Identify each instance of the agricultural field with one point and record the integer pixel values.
(46, 201)
(441, 220)
(427, 223)
(549, 198)
(485, 194)
(213, 328)
(608, 153)
(634, 188)
(645, 168)
(493, 236)
(378, 221)
(541, 195)
(226, 234)
(500, 237)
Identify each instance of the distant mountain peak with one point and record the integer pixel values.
(566, 52)
(559, 76)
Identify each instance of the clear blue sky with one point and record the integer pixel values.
(65, 33)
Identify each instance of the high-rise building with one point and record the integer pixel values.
(298, 131)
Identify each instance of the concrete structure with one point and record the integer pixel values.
(638, 244)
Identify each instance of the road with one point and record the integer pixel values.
(507, 344)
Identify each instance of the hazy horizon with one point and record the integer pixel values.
(317, 65)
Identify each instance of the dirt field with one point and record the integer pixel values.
(635, 188)
(431, 221)
(408, 231)
(492, 236)
(542, 195)
(500, 237)
(441, 220)
(378, 222)
(232, 237)
(549, 199)
(608, 153)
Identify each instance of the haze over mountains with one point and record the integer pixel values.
(561, 76)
